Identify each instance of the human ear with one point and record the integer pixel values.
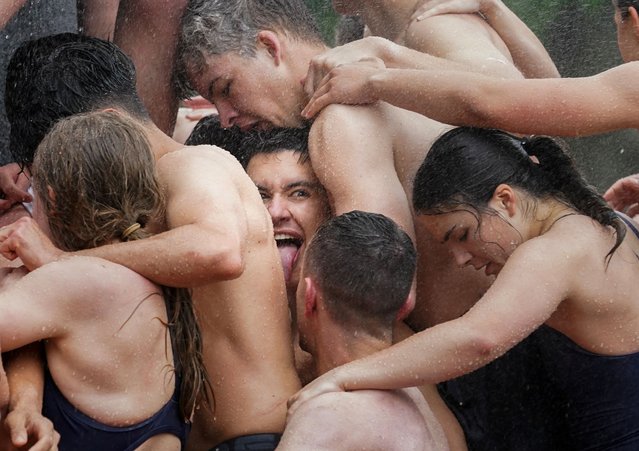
(504, 199)
(634, 19)
(270, 41)
(310, 297)
(407, 306)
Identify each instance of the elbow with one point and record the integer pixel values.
(233, 263)
(221, 262)
(484, 347)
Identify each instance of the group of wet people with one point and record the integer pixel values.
(430, 286)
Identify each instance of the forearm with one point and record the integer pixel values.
(25, 374)
(529, 54)
(442, 96)
(186, 256)
(437, 354)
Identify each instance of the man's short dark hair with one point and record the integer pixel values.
(61, 75)
(363, 263)
(274, 141)
(209, 131)
(245, 146)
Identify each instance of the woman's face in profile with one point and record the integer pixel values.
(483, 241)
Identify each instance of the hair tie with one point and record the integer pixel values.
(129, 230)
(525, 143)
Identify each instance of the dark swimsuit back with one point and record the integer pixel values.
(78, 432)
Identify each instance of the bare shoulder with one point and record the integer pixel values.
(380, 121)
(86, 274)
(438, 34)
(570, 242)
(348, 116)
(194, 156)
(364, 419)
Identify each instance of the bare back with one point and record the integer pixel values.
(99, 319)
(381, 420)
(245, 321)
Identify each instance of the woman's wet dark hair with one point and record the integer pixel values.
(465, 166)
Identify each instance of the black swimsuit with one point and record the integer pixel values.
(80, 432)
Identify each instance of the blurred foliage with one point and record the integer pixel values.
(326, 17)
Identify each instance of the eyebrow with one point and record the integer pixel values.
(449, 233)
(295, 184)
(303, 183)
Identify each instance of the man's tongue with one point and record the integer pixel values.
(287, 255)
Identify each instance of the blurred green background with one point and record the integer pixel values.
(580, 37)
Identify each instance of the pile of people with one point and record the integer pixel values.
(365, 248)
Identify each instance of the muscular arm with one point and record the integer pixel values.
(511, 309)
(207, 223)
(528, 53)
(352, 154)
(562, 107)
(462, 39)
(566, 107)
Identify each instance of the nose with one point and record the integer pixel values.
(462, 257)
(228, 114)
(278, 209)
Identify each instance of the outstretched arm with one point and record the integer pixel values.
(460, 346)
(562, 107)
(528, 53)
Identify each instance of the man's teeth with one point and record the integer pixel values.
(284, 239)
(284, 236)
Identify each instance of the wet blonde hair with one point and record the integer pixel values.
(100, 169)
(101, 173)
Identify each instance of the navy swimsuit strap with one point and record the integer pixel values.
(629, 223)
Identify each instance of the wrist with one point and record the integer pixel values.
(29, 400)
(376, 83)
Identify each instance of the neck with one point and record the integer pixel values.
(336, 346)
(161, 143)
(304, 52)
(547, 214)
(389, 18)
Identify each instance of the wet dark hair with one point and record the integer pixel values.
(102, 173)
(57, 76)
(244, 146)
(465, 166)
(274, 141)
(623, 6)
(364, 265)
(209, 131)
